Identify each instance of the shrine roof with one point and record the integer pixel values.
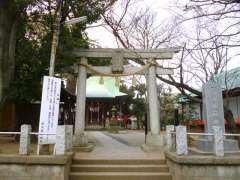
(229, 79)
(106, 90)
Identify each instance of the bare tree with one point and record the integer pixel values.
(205, 58)
(225, 12)
(137, 28)
(201, 57)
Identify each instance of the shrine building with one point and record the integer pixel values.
(102, 94)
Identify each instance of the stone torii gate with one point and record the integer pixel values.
(117, 57)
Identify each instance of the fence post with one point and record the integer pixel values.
(25, 139)
(181, 140)
(169, 141)
(69, 137)
(61, 143)
(218, 141)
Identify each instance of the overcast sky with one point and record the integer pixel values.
(106, 40)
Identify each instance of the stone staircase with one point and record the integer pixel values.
(119, 169)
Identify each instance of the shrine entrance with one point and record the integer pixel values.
(118, 69)
(95, 115)
(102, 94)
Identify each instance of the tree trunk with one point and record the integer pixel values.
(8, 24)
(228, 115)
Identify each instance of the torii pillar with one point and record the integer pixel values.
(154, 140)
(80, 138)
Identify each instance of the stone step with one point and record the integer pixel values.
(119, 176)
(119, 168)
(119, 161)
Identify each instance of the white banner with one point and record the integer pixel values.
(49, 110)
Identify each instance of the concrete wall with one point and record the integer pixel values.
(31, 172)
(13, 167)
(203, 167)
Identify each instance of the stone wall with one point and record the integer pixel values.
(14, 167)
(196, 167)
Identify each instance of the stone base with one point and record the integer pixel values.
(80, 140)
(88, 148)
(153, 143)
(154, 139)
(32, 167)
(207, 145)
(202, 167)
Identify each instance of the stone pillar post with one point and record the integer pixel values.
(153, 138)
(218, 140)
(25, 139)
(80, 139)
(169, 141)
(61, 140)
(181, 140)
(69, 136)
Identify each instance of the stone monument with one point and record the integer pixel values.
(25, 139)
(181, 140)
(213, 115)
(213, 106)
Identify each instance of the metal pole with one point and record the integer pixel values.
(56, 30)
(146, 126)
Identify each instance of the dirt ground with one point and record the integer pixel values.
(8, 145)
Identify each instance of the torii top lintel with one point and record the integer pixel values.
(163, 53)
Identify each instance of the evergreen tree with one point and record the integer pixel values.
(34, 25)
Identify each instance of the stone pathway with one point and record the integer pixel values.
(130, 138)
(109, 147)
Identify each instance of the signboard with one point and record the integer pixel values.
(49, 110)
